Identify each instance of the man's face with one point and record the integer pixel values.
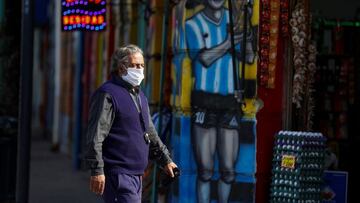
(215, 4)
(136, 61)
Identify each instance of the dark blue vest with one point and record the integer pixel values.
(124, 149)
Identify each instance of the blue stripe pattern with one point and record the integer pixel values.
(203, 33)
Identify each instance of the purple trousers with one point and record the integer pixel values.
(122, 188)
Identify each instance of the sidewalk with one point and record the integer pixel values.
(53, 179)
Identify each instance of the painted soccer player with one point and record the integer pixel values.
(215, 113)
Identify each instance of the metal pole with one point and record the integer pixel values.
(141, 24)
(26, 72)
(79, 45)
(2, 12)
(243, 50)
(57, 66)
(233, 53)
(162, 76)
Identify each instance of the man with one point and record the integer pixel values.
(121, 136)
(216, 119)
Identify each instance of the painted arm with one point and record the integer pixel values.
(209, 56)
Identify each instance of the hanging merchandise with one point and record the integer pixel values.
(310, 80)
(274, 36)
(335, 95)
(336, 77)
(299, 37)
(274, 18)
(264, 41)
(298, 165)
(284, 17)
(304, 60)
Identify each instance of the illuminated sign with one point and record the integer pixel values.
(83, 15)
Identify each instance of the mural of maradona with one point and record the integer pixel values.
(219, 129)
(216, 119)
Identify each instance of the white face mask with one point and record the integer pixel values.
(134, 76)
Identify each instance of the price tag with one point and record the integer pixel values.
(288, 161)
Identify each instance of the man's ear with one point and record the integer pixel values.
(122, 69)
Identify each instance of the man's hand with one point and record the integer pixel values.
(97, 184)
(169, 169)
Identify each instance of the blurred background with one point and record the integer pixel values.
(50, 64)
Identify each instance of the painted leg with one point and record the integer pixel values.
(203, 191)
(204, 148)
(224, 190)
(228, 149)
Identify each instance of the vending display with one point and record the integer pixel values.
(297, 167)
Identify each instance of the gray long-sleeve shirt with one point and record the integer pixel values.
(100, 121)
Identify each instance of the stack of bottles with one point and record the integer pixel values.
(298, 165)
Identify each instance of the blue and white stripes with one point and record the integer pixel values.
(204, 33)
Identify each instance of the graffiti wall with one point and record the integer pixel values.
(214, 135)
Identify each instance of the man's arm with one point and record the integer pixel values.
(101, 116)
(159, 151)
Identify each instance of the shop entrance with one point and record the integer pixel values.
(336, 30)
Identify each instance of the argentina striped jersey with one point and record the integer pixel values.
(204, 33)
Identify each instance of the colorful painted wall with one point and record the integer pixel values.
(213, 142)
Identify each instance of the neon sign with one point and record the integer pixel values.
(83, 15)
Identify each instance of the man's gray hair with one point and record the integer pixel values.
(121, 56)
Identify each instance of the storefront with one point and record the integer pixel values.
(295, 73)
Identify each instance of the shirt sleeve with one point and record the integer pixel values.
(158, 151)
(101, 117)
(194, 38)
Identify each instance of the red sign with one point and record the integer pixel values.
(83, 15)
